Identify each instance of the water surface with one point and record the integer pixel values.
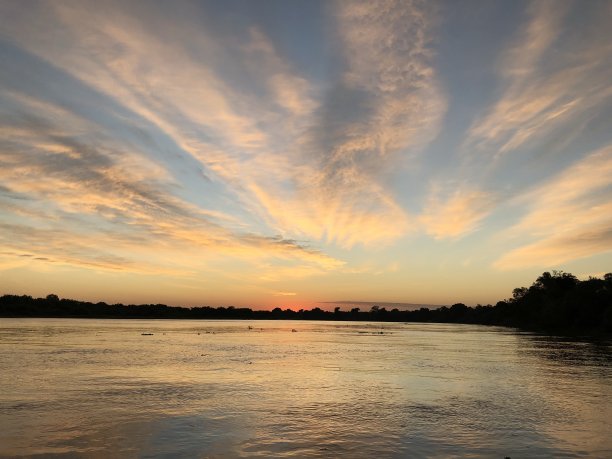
(163, 388)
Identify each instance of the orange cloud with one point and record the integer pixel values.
(570, 216)
(457, 214)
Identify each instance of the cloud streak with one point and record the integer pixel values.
(385, 102)
(455, 214)
(555, 75)
(570, 216)
(317, 173)
(118, 172)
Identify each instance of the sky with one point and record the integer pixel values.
(286, 153)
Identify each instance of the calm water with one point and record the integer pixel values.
(99, 388)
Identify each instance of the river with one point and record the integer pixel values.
(225, 389)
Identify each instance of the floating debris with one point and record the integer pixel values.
(147, 334)
(293, 330)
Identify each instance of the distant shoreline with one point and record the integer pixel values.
(554, 302)
(382, 304)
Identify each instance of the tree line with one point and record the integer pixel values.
(557, 301)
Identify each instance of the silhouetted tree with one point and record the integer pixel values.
(555, 300)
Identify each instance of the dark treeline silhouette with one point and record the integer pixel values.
(557, 301)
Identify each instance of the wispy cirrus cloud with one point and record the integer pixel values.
(556, 76)
(452, 214)
(128, 123)
(289, 90)
(284, 294)
(569, 217)
(313, 174)
(385, 101)
(75, 195)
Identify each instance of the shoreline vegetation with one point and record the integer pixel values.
(554, 302)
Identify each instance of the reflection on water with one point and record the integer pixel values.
(100, 388)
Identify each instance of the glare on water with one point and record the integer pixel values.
(125, 388)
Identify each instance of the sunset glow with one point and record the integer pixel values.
(296, 153)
